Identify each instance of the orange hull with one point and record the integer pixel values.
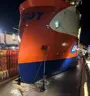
(53, 40)
(35, 33)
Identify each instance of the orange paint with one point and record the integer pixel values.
(34, 33)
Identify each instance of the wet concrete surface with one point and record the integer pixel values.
(88, 76)
(5, 89)
(64, 84)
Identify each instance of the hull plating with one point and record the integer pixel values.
(31, 72)
(35, 32)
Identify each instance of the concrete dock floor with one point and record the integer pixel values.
(64, 84)
(5, 89)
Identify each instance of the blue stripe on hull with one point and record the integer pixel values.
(31, 72)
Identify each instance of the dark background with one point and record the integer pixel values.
(85, 22)
(9, 17)
(9, 14)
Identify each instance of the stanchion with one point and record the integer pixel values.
(44, 49)
(19, 80)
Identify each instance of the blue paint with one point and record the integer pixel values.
(67, 62)
(39, 15)
(28, 71)
(32, 15)
(74, 48)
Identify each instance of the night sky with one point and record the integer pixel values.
(9, 14)
(9, 17)
(85, 22)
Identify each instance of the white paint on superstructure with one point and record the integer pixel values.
(69, 21)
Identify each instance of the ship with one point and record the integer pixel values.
(48, 31)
